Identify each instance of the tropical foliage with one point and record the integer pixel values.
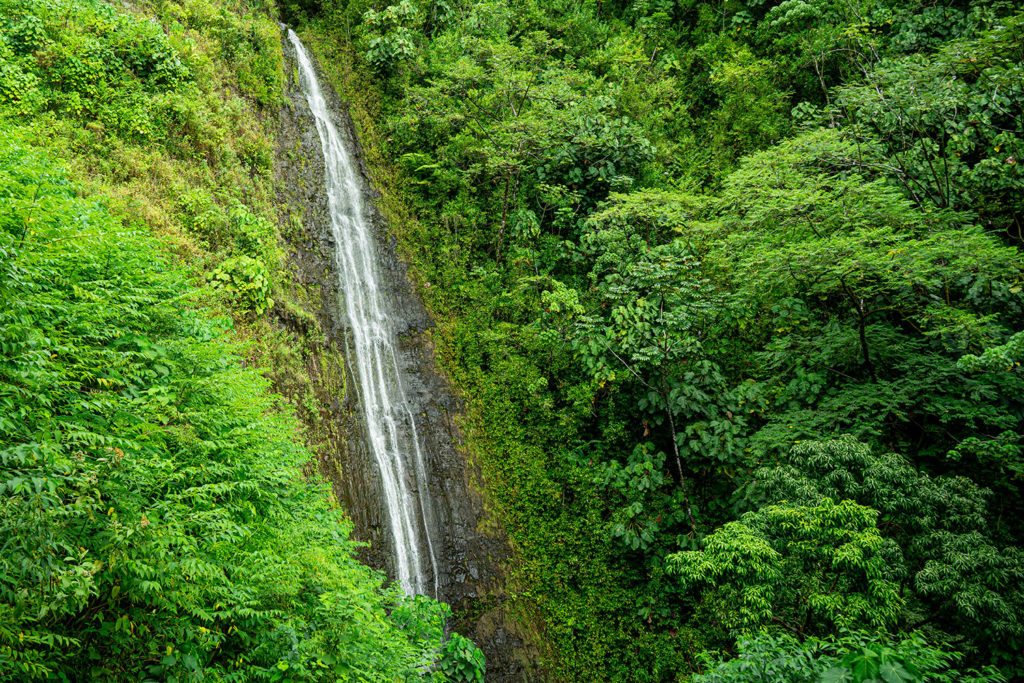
(161, 517)
(154, 521)
(734, 294)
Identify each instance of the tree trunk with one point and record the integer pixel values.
(679, 463)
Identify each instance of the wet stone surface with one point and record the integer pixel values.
(469, 574)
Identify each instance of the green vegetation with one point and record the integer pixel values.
(160, 515)
(734, 295)
(155, 525)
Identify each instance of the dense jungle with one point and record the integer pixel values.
(731, 294)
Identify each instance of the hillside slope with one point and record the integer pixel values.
(161, 516)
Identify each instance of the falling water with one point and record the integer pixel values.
(389, 421)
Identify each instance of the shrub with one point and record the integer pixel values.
(247, 280)
(462, 660)
(153, 517)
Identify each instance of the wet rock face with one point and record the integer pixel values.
(469, 576)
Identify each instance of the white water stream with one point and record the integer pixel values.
(389, 420)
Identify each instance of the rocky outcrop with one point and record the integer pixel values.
(472, 551)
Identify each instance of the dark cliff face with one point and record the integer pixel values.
(469, 576)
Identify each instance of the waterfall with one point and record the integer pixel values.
(390, 427)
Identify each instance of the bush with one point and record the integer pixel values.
(247, 280)
(462, 660)
(391, 35)
(152, 513)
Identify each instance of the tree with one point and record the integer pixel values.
(391, 36)
(949, 125)
(957, 577)
(810, 570)
(844, 287)
(852, 657)
(649, 318)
